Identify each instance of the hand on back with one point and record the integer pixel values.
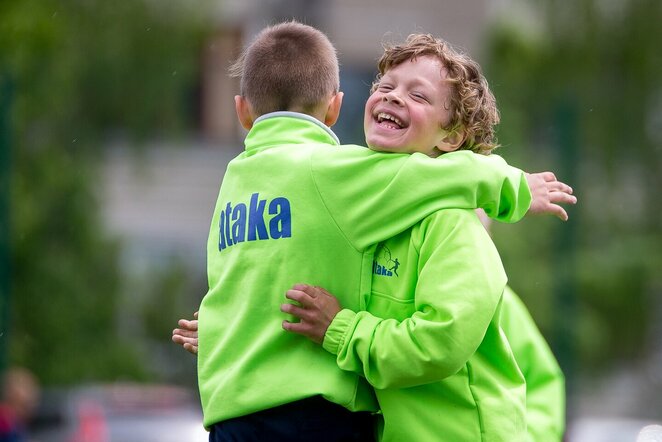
(315, 308)
(187, 335)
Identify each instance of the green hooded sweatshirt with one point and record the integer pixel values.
(430, 341)
(297, 207)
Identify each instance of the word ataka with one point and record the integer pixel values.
(239, 223)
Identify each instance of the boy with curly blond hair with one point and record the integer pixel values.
(429, 339)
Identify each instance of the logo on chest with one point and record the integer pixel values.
(385, 264)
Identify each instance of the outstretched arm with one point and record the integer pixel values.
(381, 209)
(187, 335)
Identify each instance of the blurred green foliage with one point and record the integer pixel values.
(82, 73)
(583, 96)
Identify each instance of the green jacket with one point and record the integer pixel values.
(430, 341)
(295, 207)
(545, 383)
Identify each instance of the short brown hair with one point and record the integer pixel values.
(473, 106)
(288, 66)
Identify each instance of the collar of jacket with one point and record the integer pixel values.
(277, 128)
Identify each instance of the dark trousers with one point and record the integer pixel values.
(314, 419)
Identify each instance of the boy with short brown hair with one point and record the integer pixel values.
(271, 82)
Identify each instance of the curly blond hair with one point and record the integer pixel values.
(473, 106)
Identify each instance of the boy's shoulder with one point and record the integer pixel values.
(349, 151)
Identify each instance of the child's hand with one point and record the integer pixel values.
(317, 309)
(187, 335)
(547, 193)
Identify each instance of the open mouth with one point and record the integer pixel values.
(389, 121)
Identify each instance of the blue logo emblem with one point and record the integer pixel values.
(384, 264)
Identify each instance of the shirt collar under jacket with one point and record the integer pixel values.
(283, 127)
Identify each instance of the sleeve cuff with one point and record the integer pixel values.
(335, 334)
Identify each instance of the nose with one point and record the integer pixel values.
(392, 97)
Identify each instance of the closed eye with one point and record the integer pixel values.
(420, 97)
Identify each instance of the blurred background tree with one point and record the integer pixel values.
(582, 94)
(81, 74)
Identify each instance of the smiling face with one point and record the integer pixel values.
(409, 109)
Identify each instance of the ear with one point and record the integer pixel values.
(244, 113)
(333, 109)
(452, 140)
